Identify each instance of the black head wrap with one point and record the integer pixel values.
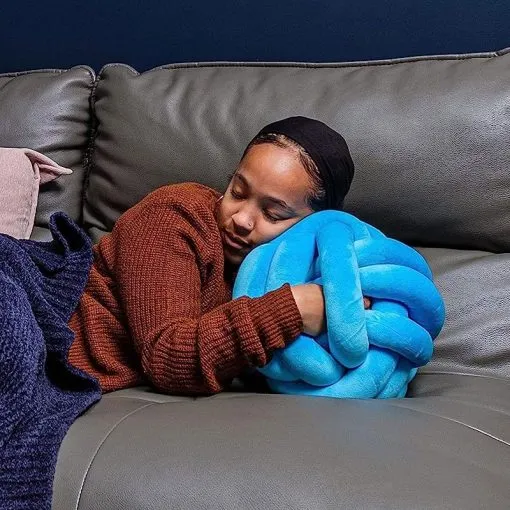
(328, 150)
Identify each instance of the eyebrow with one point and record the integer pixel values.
(272, 199)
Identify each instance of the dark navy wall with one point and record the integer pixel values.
(147, 33)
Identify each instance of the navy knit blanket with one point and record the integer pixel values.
(40, 393)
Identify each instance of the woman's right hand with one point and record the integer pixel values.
(309, 299)
(310, 302)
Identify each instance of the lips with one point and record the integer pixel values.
(234, 241)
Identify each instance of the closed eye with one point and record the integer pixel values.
(272, 218)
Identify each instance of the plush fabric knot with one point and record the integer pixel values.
(364, 353)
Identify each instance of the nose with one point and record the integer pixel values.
(243, 222)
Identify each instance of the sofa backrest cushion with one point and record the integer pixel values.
(429, 137)
(475, 286)
(49, 111)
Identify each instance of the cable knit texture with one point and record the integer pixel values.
(158, 305)
(40, 393)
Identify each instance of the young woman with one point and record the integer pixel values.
(158, 305)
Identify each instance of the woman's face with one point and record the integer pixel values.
(264, 198)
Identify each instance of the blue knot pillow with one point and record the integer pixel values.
(371, 353)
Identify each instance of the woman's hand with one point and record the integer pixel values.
(310, 302)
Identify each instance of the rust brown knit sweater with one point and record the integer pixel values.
(158, 305)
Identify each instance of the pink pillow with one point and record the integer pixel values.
(21, 173)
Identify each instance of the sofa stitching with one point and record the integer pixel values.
(227, 396)
(117, 64)
(365, 63)
(84, 479)
(313, 65)
(446, 418)
(456, 400)
(464, 374)
(320, 65)
(31, 71)
(92, 134)
(143, 399)
(89, 70)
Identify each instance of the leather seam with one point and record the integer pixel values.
(471, 427)
(320, 65)
(89, 153)
(464, 374)
(84, 479)
(190, 399)
(49, 70)
(467, 403)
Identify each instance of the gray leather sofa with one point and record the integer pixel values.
(431, 141)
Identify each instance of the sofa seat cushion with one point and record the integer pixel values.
(138, 449)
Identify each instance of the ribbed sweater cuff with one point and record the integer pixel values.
(277, 315)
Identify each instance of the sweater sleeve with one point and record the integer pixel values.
(159, 284)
